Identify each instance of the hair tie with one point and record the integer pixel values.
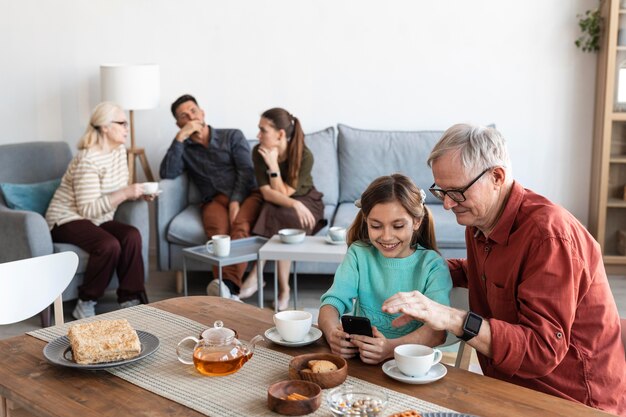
(357, 203)
(423, 195)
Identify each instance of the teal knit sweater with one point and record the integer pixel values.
(370, 278)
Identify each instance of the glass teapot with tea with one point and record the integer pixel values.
(218, 352)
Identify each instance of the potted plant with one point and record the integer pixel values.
(590, 26)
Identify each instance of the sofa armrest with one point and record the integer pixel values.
(172, 200)
(135, 213)
(23, 234)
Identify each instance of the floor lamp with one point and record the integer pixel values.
(133, 87)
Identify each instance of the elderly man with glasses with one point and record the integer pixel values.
(541, 311)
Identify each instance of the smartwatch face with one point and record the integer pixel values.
(473, 323)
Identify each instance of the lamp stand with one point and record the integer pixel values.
(134, 153)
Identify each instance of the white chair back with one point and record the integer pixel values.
(28, 286)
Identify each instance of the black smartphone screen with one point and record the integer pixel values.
(357, 325)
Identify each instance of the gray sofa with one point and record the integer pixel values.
(344, 166)
(25, 234)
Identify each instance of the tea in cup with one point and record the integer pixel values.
(293, 325)
(337, 234)
(150, 188)
(416, 360)
(219, 245)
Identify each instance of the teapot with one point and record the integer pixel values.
(217, 352)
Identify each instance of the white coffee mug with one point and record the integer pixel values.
(416, 360)
(337, 234)
(150, 188)
(293, 325)
(219, 245)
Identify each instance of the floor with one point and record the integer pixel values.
(161, 285)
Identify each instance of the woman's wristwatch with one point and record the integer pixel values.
(272, 174)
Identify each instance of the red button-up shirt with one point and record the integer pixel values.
(540, 280)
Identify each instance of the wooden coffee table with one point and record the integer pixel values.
(312, 249)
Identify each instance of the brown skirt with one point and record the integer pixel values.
(273, 218)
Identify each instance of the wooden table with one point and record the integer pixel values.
(48, 390)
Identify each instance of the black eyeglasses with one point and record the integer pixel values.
(457, 195)
(124, 123)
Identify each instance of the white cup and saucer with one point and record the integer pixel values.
(336, 235)
(293, 328)
(415, 364)
(151, 188)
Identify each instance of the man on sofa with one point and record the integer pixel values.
(541, 311)
(219, 164)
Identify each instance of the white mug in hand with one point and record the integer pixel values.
(219, 245)
(150, 188)
(415, 360)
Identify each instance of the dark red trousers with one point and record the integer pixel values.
(216, 222)
(112, 246)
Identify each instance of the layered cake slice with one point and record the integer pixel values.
(103, 341)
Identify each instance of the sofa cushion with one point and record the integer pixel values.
(323, 145)
(186, 228)
(32, 197)
(367, 154)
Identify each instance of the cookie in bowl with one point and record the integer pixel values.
(324, 369)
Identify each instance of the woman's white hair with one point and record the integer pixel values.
(103, 114)
(479, 147)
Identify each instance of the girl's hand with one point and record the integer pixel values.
(373, 350)
(307, 220)
(270, 156)
(339, 343)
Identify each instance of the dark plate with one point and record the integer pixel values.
(58, 352)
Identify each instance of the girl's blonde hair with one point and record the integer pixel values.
(387, 189)
(103, 114)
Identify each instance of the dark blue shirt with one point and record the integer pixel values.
(224, 167)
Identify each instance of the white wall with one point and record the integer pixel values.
(406, 64)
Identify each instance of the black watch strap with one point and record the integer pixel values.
(471, 326)
(272, 174)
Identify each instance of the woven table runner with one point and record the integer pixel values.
(243, 393)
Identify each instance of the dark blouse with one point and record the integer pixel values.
(305, 180)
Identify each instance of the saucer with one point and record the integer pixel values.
(437, 372)
(312, 336)
(334, 242)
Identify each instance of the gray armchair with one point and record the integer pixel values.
(25, 234)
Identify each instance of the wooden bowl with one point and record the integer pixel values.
(278, 402)
(325, 380)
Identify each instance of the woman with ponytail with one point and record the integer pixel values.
(282, 166)
(391, 248)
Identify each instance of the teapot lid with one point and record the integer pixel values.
(219, 333)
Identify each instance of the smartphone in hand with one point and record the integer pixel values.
(357, 325)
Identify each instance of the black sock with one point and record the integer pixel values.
(234, 288)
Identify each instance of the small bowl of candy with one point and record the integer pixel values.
(351, 402)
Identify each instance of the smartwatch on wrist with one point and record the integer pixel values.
(272, 174)
(471, 327)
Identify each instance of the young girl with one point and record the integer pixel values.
(391, 249)
(282, 166)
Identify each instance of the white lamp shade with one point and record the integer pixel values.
(133, 87)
